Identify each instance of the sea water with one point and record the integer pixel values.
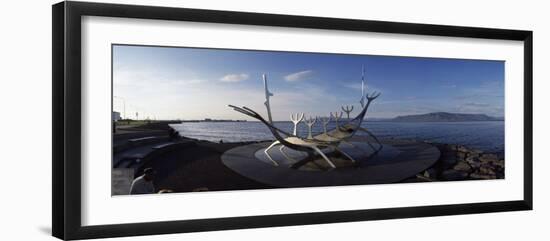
(483, 135)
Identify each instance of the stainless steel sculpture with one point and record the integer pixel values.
(336, 117)
(348, 110)
(296, 120)
(325, 121)
(267, 95)
(329, 139)
(310, 124)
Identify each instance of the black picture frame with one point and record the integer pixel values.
(66, 127)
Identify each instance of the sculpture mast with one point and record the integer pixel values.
(267, 95)
(363, 87)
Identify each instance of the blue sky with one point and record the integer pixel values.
(191, 83)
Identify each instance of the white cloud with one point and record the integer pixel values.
(230, 78)
(298, 76)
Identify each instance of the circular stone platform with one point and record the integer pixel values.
(396, 161)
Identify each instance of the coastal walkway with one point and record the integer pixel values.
(133, 158)
(133, 146)
(397, 161)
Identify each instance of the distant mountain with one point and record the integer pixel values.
(377, 119)
(445, 117)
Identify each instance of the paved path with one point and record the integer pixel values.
(398, 160)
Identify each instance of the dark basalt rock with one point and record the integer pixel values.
(477, 176)
(453, 175)
(461, 163)
(448, 161)
(463, 166)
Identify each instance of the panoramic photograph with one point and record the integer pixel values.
(202, 119)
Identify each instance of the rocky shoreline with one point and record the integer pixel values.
(458, 162)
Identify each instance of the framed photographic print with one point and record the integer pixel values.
(171, 120)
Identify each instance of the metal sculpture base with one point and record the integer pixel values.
(397, 161)
(362, 153)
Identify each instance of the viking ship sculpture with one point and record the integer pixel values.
(329, 139)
